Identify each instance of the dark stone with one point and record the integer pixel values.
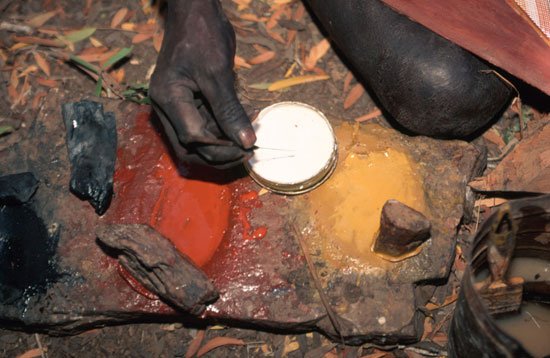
(159, 266)
(91, 141)
(402, 229)
(17, 188)
(27, 254)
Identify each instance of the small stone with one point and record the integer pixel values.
(402, 229)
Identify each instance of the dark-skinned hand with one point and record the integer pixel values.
(195, 65)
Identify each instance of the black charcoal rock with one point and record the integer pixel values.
(17, 188)
(91, 141)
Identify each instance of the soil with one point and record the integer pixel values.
(19, 111)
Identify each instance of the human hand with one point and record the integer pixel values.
(192, 88)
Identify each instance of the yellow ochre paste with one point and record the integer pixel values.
(345, 211)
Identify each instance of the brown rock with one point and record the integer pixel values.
(159, 266)
(402, 230)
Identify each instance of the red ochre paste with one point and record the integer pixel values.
(244, 204)
(149, 189)
(134, 284)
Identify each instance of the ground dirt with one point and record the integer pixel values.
(31, 74)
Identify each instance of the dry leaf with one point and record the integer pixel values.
(47, 82)
(250, 17)
(219, 342)
(369, 116)
(290, 37)
(290, 346)
(448, 300)
(195, 344)
(25, 90)
(277, 37)
(119, 17)
(347, 81)
(12, 87)
(299, 13)
(428, 328)
(294, 81)
(354, 95)
(118, 75)
(95, 42)
(18, 46)
(36, 352)
(260, 48)
(48, 31)
(97, 56)
(241, 62)
(263, 191)
(440, 338)
(148, 27)
(31, 68)
(42, 63)
(157, 40)
(493, 136)
(40, 20)
(90, 51)
(128, 26)
(273, 20)
(37, 98)
(316, 53)
(490, 202)
(141, 37)
(261, 58)
(242, 4)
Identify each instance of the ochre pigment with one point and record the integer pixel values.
(149, 189)
(345, 211)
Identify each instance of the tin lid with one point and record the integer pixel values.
(296, 148)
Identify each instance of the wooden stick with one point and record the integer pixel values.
(324, 300)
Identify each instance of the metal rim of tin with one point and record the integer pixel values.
(307, 185)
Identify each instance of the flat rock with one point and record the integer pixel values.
(257, 268)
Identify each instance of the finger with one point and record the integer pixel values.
(181, 153)
(175, 103)
(228, 111)
(171, 134)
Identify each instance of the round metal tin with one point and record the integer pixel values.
(296, 148)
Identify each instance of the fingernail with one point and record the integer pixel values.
(247, 137)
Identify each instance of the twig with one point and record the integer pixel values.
(511, 144)
(331, 315)
(438, 326)
(477, 216)
(4, 4)
(533, 318)
(37, 338)
(19, 28)
(511, 85)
